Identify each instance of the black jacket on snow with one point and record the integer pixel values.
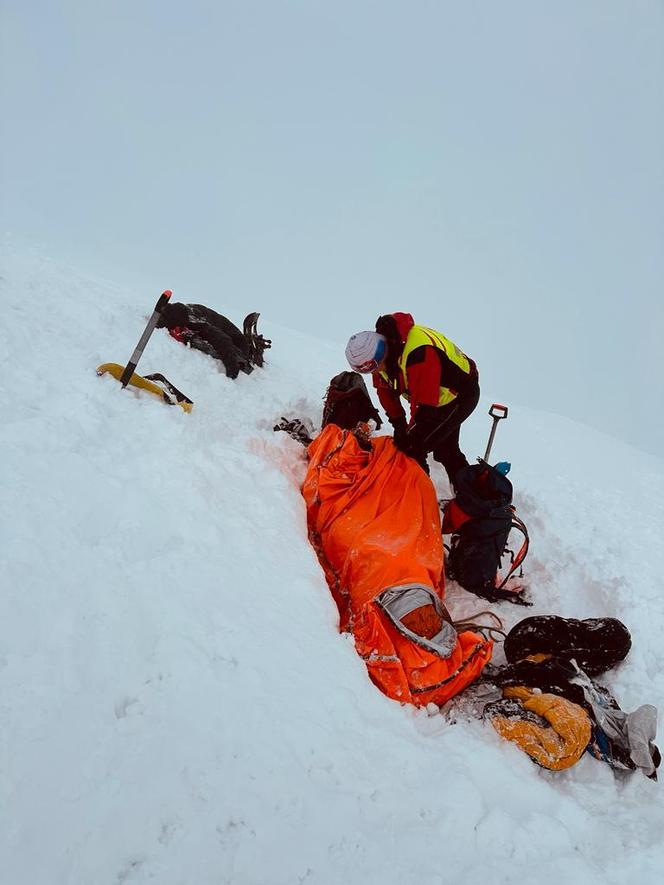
(208, 331)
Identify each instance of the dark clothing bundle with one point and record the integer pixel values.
(208, 331)
(558, 656)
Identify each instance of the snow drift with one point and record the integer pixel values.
(177, 704)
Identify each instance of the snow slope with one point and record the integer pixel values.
(176, 705)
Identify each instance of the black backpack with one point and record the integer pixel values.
(480, 518)
(347, 402)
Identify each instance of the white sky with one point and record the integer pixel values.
(497, 169)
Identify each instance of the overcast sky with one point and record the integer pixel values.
(495, 168)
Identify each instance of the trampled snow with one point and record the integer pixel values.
(177, 706)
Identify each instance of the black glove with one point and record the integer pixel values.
(403, 440)
(400, 434)
(296, 429)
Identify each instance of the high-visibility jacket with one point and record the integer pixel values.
(420, 336)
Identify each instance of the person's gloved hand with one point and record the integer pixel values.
(296, 429)
(404, 441)
(400, 433)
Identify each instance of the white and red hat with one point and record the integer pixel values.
(365, 351)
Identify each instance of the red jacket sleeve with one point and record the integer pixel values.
(389, 398)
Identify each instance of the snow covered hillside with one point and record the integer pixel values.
(177, 706)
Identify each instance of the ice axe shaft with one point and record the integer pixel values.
(497, 412)
(149, 329)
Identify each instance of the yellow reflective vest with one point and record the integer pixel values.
(419, 336)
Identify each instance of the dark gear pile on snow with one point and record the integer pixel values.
(596, 644)
(556, 657)
(206, 330)
(480, 518)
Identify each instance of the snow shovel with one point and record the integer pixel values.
(497, 412)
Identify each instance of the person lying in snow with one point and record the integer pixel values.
(426, 368)
(374, 521)
(204, 329)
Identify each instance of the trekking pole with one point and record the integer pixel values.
(149, 329)
(496, 418)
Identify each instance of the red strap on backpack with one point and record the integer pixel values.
(453, 517)
(523, 550)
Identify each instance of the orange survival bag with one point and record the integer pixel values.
(374, 522)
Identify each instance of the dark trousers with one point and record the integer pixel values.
(444, 444)
(232, 351)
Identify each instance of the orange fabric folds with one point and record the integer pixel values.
(374, 521)
(556, 737)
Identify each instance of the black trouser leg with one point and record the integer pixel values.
(220, 346)
(445, 448)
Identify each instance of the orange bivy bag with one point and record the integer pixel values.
(374, 522)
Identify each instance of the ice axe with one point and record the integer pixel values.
(497, 412)
(156, 383)
(149, 329)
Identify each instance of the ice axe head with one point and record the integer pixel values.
(497, 412)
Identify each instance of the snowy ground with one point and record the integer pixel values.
(176, 705)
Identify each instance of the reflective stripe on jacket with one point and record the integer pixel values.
(421, 336)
